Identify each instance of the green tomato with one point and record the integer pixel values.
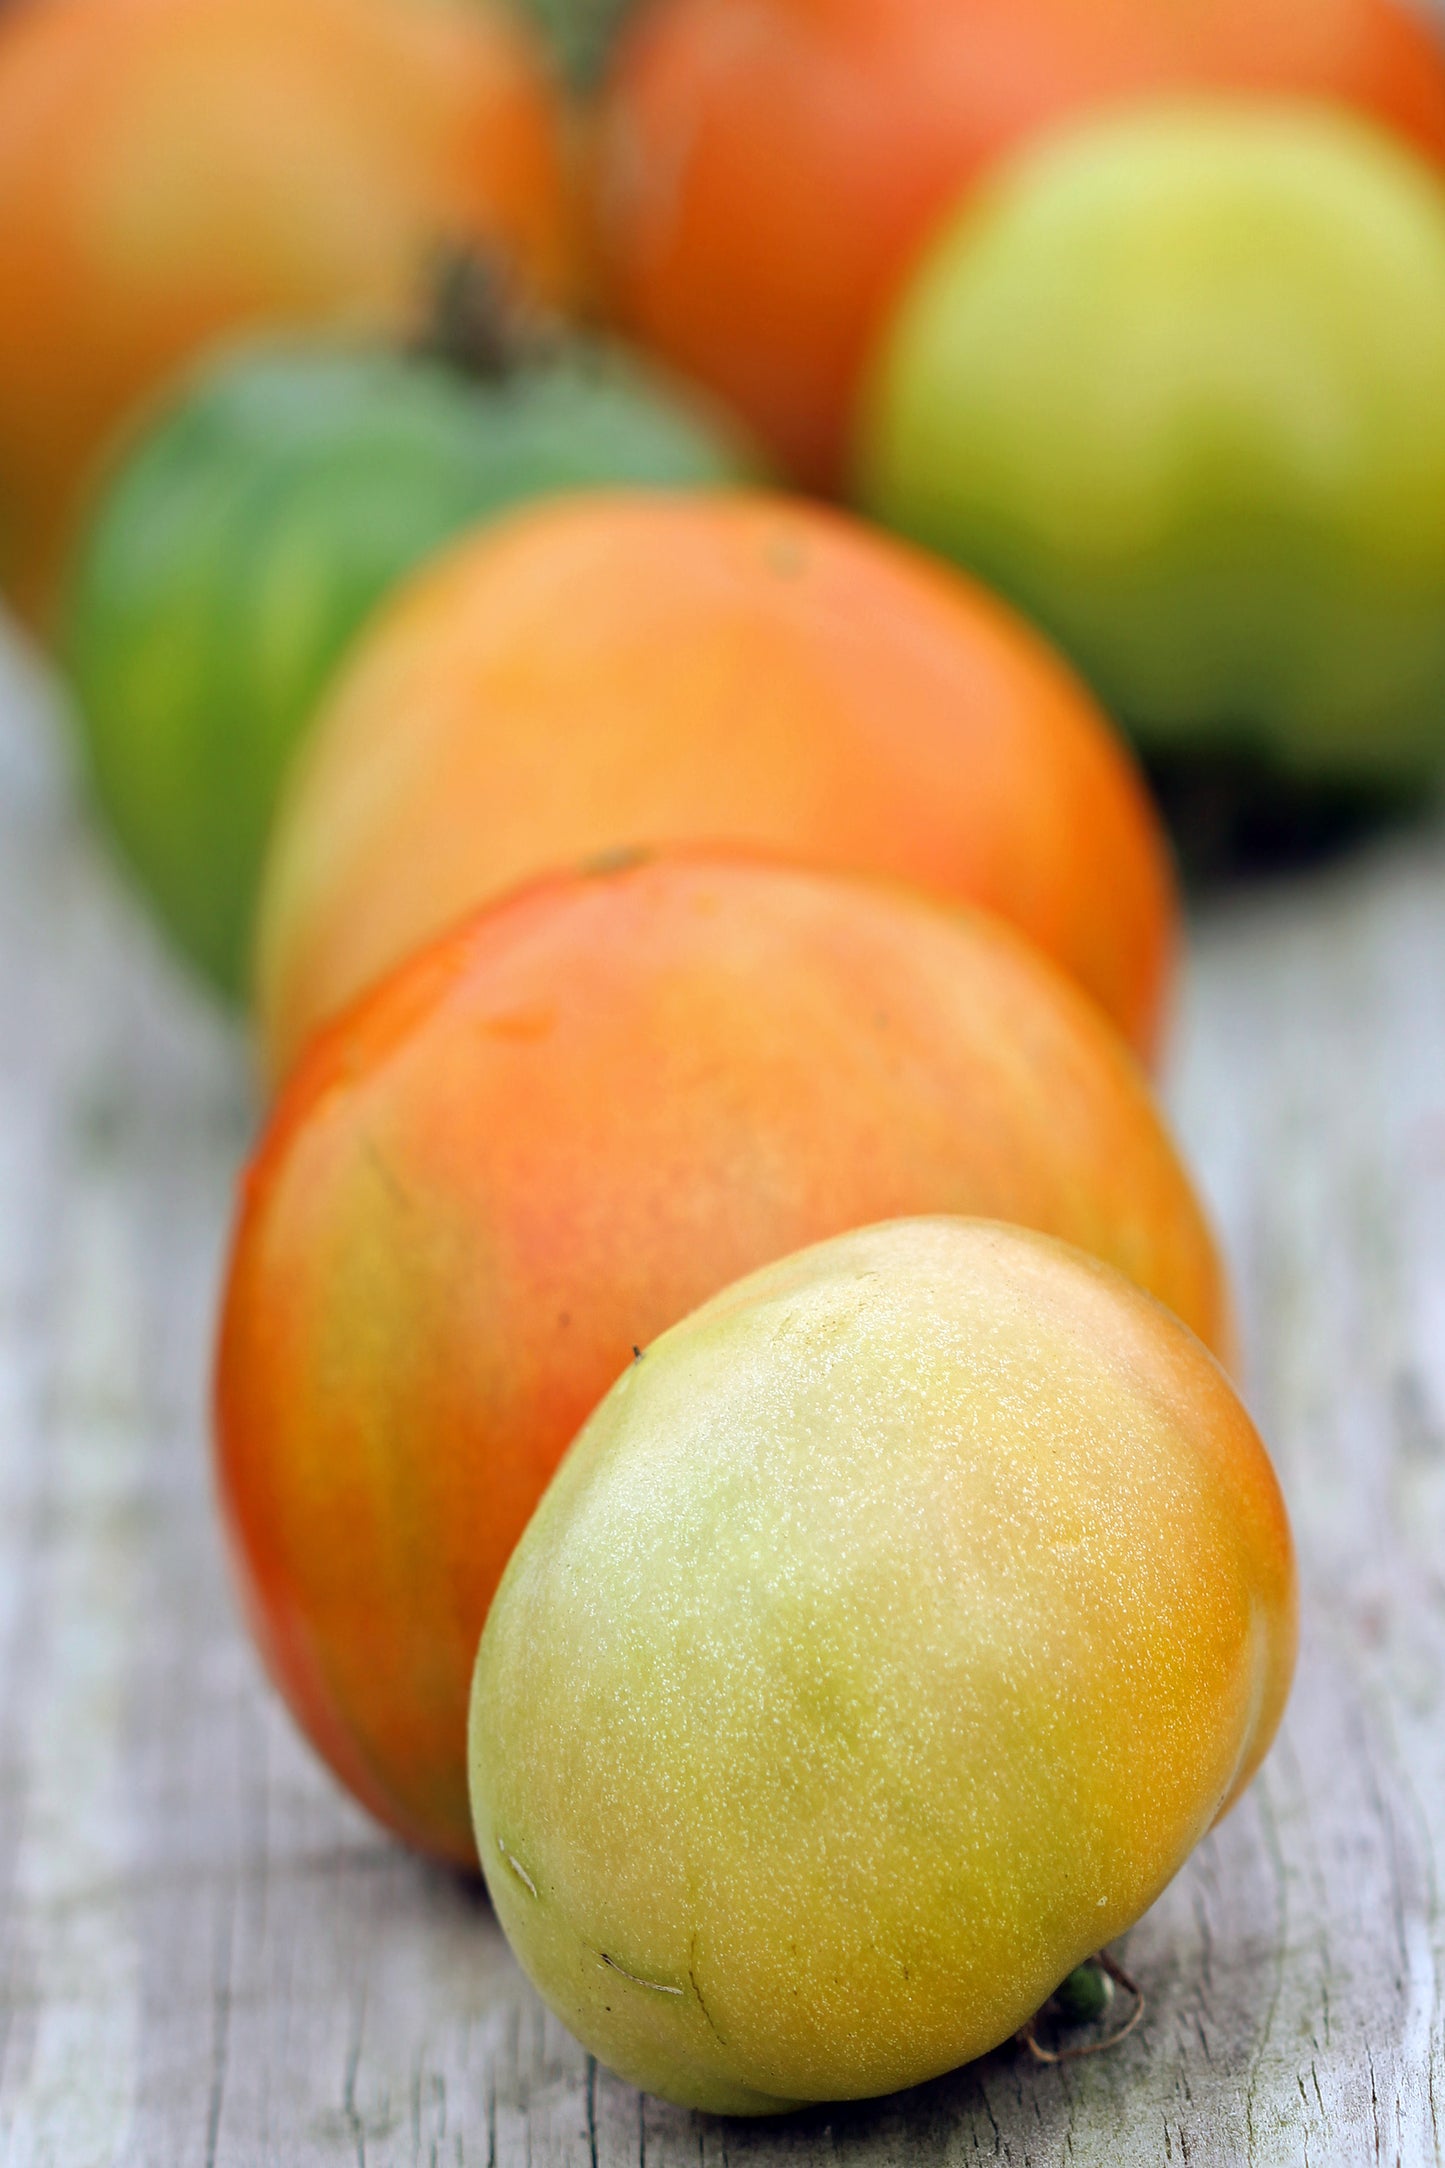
(242, 544)
(1176, 383)
(889, 1636)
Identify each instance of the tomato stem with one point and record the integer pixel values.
(1085, 1994)
(480, 321)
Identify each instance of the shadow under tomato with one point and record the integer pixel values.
(1231, 815)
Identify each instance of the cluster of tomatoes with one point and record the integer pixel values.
(646, 878)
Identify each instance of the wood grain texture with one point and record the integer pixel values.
(206, 1956)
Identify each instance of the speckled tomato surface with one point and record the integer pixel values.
(884, 1645)
(540, 1143)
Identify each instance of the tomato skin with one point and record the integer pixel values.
(538, 1144)
(1176, 384)
(768, 170)
(174, 171)
(239, 548)
(883, 1646)
(704, 669)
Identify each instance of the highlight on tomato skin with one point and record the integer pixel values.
(542, 1141)
(883, 1646)
(767, 171)
(175, 171)
(735, 667)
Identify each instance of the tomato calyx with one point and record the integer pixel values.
(1086, 1996)
(481, 322)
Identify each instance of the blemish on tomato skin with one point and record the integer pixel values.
(786, 556)
(518, 1869)
(521, 1027)
(621, 858)
(654, 1987)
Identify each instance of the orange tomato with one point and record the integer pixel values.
(768, 169)
(629, 670)
(546, 1139)
(171, 170)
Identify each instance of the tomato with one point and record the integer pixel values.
(769, 169)
(886, 1642)
(540, 1143)
(625, 670)
(1178, 387)
(244, 540)
(174, 170)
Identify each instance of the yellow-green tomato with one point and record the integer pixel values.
(1176, 383)
(887, 1639)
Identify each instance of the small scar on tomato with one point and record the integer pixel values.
(623, 859)
(521, 1027)
(787, 556)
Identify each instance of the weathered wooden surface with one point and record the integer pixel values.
(206, 1956)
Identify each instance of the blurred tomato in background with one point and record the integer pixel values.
(240, 547)
(173, 170)
(1175, 382)
(614, 671)
(767, 170)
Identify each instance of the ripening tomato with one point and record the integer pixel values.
(539, 1144)
(237, 550)
(1175, 382)
(768, 169)
(715, 668)
(174, 170)
(886, 1642)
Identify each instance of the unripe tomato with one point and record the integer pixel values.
(886, 1642)
(769, 169)
(241, 545)
(630, 670)
(1177, 385)
(174, 170)
(540, 1143)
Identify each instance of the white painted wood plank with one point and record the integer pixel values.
(206, 1955)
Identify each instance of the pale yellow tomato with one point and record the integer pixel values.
(883, 1646)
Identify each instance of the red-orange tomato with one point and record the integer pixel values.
(546, 1139)
(610, 671)
(172, 170)
(768, 169)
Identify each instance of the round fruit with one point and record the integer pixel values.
(885, 1644)
(242, 544)
(769, 169)
(1178, 386)
(541, 1143)
(173, 170)
(626, 671)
